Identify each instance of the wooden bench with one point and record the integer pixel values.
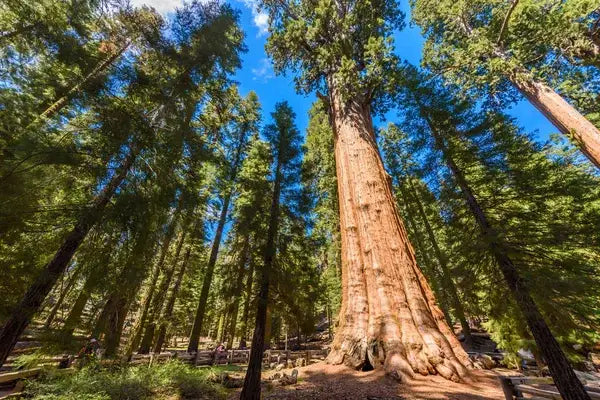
(516, 387)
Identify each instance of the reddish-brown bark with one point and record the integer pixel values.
(389, 317)
(562, 114)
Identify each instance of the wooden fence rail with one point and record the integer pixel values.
(517, 387)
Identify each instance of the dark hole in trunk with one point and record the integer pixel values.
(367, 365)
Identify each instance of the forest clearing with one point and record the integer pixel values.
(300, 199)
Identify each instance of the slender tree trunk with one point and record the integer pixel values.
(157, 302)
(129, 281)
(141, 321)
(447, 282)
(208, 275)
(75, 314)
(389, 317)
(247, 301)
(238, 291)
(168, 313)
(565, 379)
(50, 273)
(61, 298)
(60, 103)
(422, 250)
(562, 114)
(251, 388)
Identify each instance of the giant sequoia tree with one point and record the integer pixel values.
(389, 317)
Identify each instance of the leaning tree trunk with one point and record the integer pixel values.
(61, 298)
(168, 313)
(562, 114)
(565, 379)
(447, 281)
(75, 314)
(129, 281)
(64, 100)
(50, 273)
(389, 317)
(158, 300)
(141, 320)
(207, 281)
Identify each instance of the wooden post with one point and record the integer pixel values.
(307, 357)
(286, 339)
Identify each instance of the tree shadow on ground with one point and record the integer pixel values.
(328, 382)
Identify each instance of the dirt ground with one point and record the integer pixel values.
(335, 382)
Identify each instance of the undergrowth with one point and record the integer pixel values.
(172, 380)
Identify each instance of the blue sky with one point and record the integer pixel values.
(257, 73)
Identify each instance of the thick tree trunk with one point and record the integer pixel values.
(38, 291)
(208, 275)
(168, 313)
(237, 293)
(251, 388)
(389, 317)
(565, 379)
(447, 282)
(61, 298)
(157, 302)
(60, 103)
(246, 312)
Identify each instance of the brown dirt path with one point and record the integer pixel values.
(334, 382)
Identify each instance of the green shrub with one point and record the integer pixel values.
(126, 383)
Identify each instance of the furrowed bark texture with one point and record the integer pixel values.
(37, 292)
(389, 316)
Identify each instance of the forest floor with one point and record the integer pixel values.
(336, 382)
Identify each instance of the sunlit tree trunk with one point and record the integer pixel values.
(50, 273)
(563, 115)
(389, 317)
(93, 74)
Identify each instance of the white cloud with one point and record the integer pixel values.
(263, 72)
(261, 19)
(162, 6)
